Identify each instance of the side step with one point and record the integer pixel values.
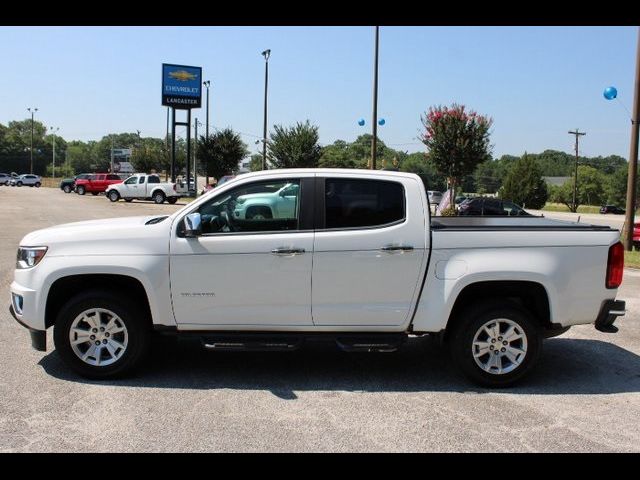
(254, 342)
(269, 341)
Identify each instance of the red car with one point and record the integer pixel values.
(96, 183)
(636, 235)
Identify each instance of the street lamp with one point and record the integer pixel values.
(53, 133)
(266, 54)
(207, 83)
(32, 110)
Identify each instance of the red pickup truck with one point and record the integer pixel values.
(96, 183)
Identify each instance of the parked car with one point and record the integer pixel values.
(27, 179)
(146, 187)
(434, 197)
(383, 270)
(96, 183)
(460, 199)
(5, 179)
(636, 235)
(612, 209)
(68, 185)
(488, 206)
(264, 205)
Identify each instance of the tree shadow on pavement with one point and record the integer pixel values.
(567, 366)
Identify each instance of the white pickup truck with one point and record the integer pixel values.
(358, 260)
(145, 187)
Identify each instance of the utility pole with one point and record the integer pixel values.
(374, 140)
(266, 54)
(575, 178)
(32, 110)
(112, 153)
(53, 132)
(633, 159)
(207, 83)
(195, 158)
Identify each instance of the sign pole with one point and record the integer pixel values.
(173, 145)
(187, 160)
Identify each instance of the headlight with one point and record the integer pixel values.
(29, 256)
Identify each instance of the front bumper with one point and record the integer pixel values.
(38, 337)
(609, 312)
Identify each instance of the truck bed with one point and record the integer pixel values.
(488, 223)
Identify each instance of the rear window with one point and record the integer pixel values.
(351, 203)
(153, 179)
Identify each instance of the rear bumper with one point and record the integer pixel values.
(38, 337)
(609, 312)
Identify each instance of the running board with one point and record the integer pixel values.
(243, 341)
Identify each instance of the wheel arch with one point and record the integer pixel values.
(65, 288)
(529, 295)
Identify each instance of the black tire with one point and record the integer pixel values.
(128, 200)
(470, 322)
(94, 193)
(67, 189)
(80, 190)
(263, 212)
(172, 200)
(19, 184)
(137, 324)
(159, 197)
(38, 184)
(114, 196)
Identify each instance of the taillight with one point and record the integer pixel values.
(615, 265)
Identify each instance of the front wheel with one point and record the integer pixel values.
(100, 335)
(114, 196)
(158, 197)
(67, 189)
(19, 184)
(495, 345)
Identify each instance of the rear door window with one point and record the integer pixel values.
(358, 203)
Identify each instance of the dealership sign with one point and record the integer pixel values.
(181, 86)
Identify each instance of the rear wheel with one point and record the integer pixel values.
(114, 196)
(19, 184)
(100, 335)
(67, 189)
(38, 184)
(80, 190)
(495, 345)
(94, 193)
(172, 200)
(158, 197)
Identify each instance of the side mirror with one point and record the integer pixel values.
(192, 225)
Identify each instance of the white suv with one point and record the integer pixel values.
(27, 179)
(5, 179)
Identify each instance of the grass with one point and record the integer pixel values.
(561, 207)
(632, 259)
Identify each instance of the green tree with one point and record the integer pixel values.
(221, 152)
(256, 162)
(294, 147)
(149, 155)
(524, 184)
(457, 140)
(590, 189)
(419, 164)
(339, 155)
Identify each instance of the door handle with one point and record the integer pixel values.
(397, 248)
(287, 251)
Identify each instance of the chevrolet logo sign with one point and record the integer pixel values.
(182, 75)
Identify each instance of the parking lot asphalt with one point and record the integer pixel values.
(584, 397)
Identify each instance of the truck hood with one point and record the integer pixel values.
(111, 236)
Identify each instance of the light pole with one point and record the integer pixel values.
(53, 133)
(374, 139)
(32, 110)
(207, 83)
(266, 54)
(633, 158)
(195, 157)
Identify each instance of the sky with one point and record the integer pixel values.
(536, 83)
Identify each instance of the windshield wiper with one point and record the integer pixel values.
(156, 220)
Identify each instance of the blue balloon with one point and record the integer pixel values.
(381, 121)
(361, 122)
(610, 93)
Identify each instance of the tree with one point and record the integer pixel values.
(149, 155)
(221, 152)
(457, 141)
(524, 184)
(339, 155)
(420, 164)
(294, 147)
(590, 189)
(256, 162)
